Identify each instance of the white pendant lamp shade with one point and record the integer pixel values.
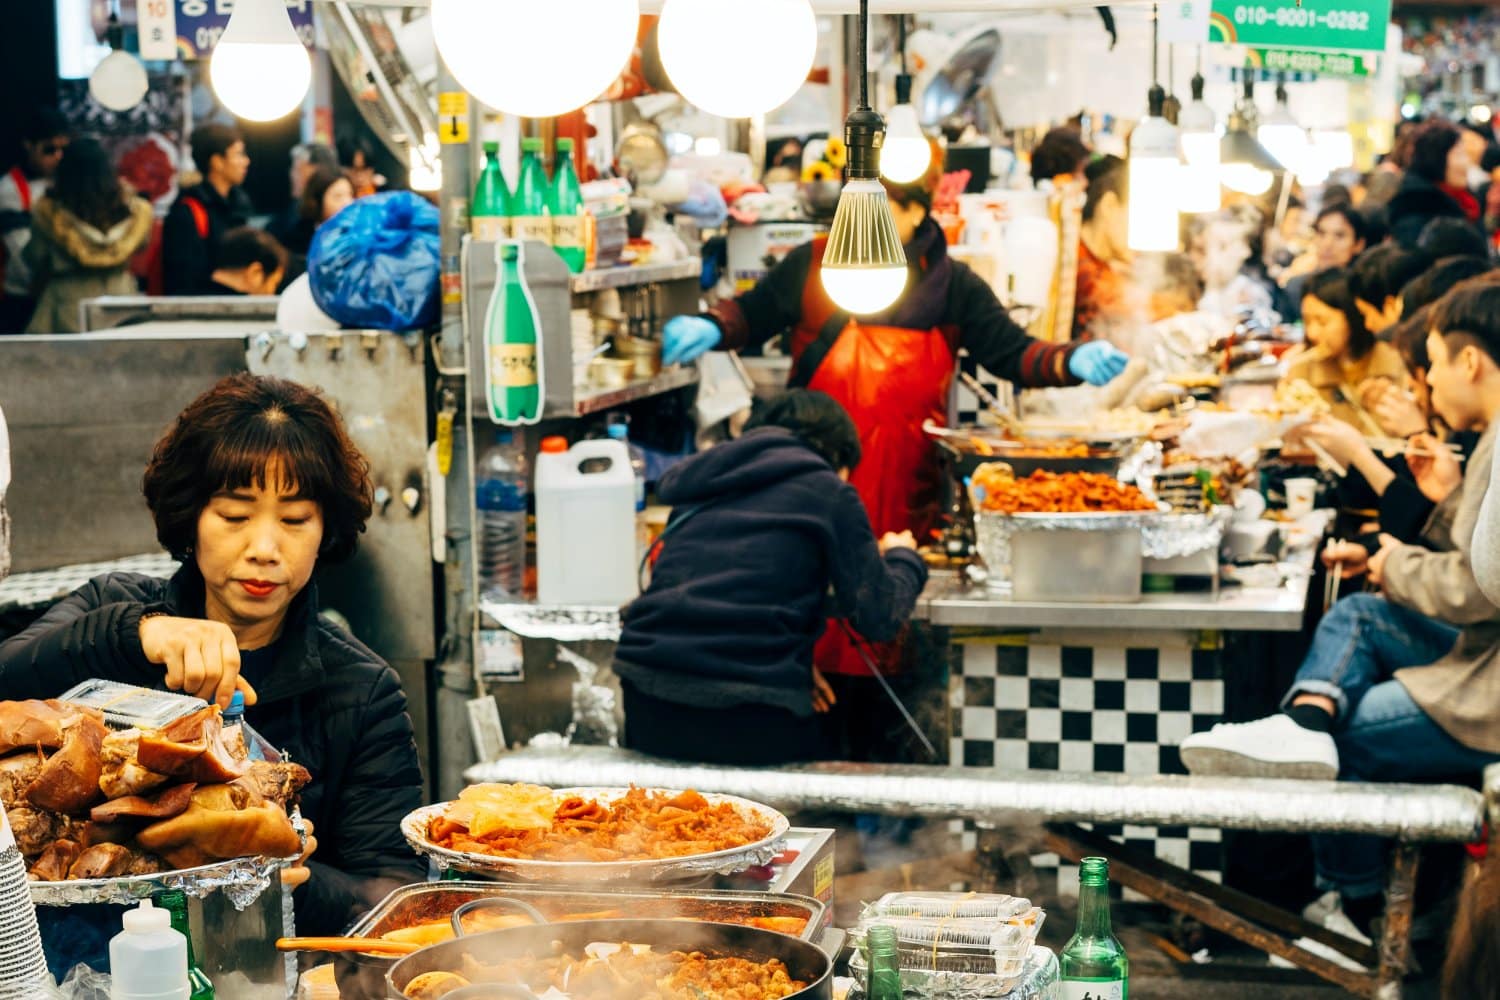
(260, 68)
(864, 266)
(1246, 178)
(1199, 188)
(119, 81)
(1155, 175)
(734, 59)
(535, 58)
(906, 155)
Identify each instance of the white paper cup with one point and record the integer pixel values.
(1301, 496)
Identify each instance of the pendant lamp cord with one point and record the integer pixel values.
(1155, 45)
(864, 42)
(901, 40)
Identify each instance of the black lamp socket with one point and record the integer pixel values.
(864, 134)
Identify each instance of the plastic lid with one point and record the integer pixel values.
(531, 145)
(565, 145)
(554, 445)
(147, 919)
(491, 148)
(236, 704)
(618, 431)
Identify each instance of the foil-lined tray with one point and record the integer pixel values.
(649, 871)
(1036, 980)
(1172, 536)
(242, 880)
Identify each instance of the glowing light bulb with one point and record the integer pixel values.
(906, 155)
(1155, 176)
(260, 68)
(1246, 178)
(757, 68)
(539, 59)
(119, 81)
(1199, 189)
(864, 266)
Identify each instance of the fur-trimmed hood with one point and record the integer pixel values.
(86, 245)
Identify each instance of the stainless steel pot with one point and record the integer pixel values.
(806, 962)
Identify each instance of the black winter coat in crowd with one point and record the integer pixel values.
(329, 703)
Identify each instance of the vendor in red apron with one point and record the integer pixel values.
(891, 372)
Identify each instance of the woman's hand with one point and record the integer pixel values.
(201, 657)
(1397, 413)
(299, 873)
(1351, 557)
(1434, 467)
(897, 540)
(1388, 544)
(823, 697)
(1343, 441)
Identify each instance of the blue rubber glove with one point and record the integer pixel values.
(684, 338)
(1097, 362)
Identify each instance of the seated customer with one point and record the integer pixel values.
(250, 262)
(1344, 363)
(1377, 277)
(716, 657)
(1405, 685)
(254, 488)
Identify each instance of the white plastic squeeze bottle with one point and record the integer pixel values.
(148, 959)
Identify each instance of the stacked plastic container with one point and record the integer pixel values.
(23, 968)
(965, 946)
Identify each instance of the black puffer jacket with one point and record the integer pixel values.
(330, 703)
(1417, 203)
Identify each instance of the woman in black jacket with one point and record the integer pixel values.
(255, 486)
(1435, 185)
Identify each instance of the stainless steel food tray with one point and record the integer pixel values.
(650, 871)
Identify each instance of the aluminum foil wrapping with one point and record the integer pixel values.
(663, 871)
(1038, 980)
(993, 532)
(594, 721)
(563, 624)
(1174, 535)
(1408, 812)
(241, 880)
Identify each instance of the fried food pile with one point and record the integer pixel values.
(640, 825)
(616, 972)
(85, 802)
(997, 490)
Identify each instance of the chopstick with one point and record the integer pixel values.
(1325, 459)
(1006, 418)
(1333, 579)
(346, 944)
(1391, 446)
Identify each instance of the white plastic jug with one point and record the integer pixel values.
(585, 524)
(148, 959)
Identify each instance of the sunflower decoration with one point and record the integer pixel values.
(830, 166)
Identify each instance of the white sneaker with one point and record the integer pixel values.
(1273, 747)
(1328, 910)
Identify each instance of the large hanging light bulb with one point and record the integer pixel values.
(536, 59)
(1282, 136)
(767, 61)
(906, 155)
(864, 266)
(260, 69)
(1154, 171)
(1199, 189)
(119, 81)
(1246, 167)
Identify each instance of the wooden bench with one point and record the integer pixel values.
(1411, 815)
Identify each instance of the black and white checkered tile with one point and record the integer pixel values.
(1111, 709)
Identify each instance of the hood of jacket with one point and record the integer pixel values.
(764, 457)
(1419, 196)
(86, 244)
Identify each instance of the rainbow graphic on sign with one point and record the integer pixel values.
(1221, 29)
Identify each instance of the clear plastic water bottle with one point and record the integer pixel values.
(503, 484)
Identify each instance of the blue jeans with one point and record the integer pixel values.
(1382, 735)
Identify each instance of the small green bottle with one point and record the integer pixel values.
(884, 982)
(565, 202)
(529, 219)
(174, 901)
(489, 214)
(1093, 965)
(512, 328)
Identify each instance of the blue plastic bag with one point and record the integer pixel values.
(376, 265)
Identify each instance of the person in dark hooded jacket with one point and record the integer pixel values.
(1435, 185)
(716, 657)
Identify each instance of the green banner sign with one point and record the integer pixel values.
(1319, 61)
(1353, 25)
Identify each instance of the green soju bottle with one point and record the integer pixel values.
(489, 214)
(512, 329)
(565, 202)
(528, 207)
(885, 964)
(1093, 964)
(174, 901)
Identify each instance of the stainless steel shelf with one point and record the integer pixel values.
(608, 399)
(644, 274)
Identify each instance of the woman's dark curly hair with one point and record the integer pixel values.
(1430, 145)
(241, 432)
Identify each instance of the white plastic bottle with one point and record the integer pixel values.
(585, 523)
(501, 489)
(148, 959)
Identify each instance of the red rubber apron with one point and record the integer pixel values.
(890, 380)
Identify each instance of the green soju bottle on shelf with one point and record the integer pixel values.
(528, 206)
(174, 901)
(512, 330)
(489, 214)
(884, 981)
(1093, 964)
(565, 202)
